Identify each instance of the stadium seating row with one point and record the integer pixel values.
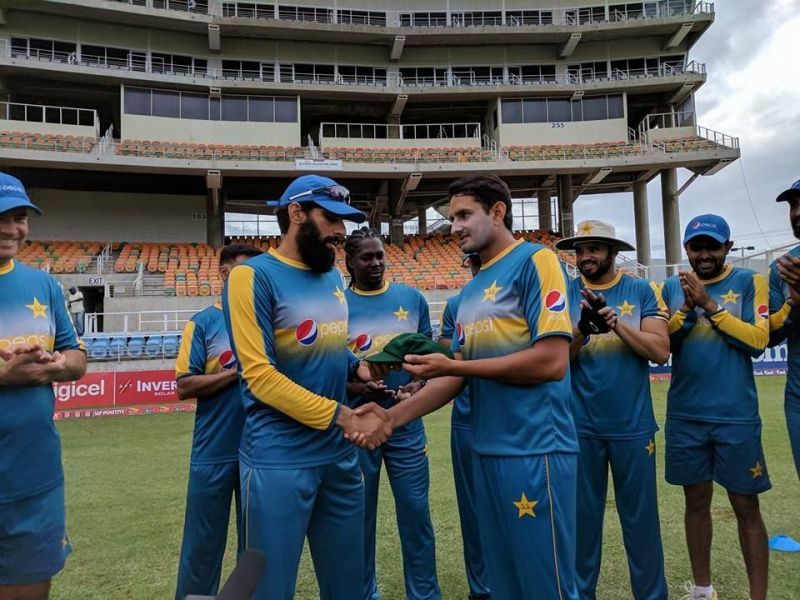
(188, 151)
(60, 257)
(573, 151)
(46, 141)
(136, 346)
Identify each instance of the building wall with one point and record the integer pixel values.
(587, 132)
(53, 128)
(334, 142)
(136, 127)
(117, 216)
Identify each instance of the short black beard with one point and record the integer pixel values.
(603, 267)
(796, 229)
(313, 249)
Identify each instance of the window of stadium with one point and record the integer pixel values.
(549, 110)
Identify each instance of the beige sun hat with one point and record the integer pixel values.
(594, 231)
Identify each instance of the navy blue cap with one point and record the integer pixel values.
(13, 195)
(325, 193)
(712, 226)
(792, 192)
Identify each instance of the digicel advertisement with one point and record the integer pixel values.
(123, 388)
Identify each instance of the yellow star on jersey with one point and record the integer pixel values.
(490, 293)
(758, 470)
(730, 297)
(651, 447)
(401, 314)
(525, 506)
(339, 295)
(38, 309)
(626, 309)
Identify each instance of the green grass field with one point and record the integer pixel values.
(126, 486)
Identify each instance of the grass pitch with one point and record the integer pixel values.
(126, 489)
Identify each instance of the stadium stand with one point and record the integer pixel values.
(60, 257)
(28, 140)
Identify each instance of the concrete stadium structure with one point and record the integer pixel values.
(148, 120)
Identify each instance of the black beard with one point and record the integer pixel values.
(603, 267)
(313, 249)
(796, 229)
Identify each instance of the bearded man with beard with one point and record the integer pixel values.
(620, 323)
(286, 314)
(784, 318)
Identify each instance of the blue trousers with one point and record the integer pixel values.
(792, 406)
(633, 465)
(326, 504)
(406, 460)
(205, 528)
(526, 516)
(464, 461)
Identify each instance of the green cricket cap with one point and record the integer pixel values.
(408, 343)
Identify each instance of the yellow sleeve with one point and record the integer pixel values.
(676, 322)
(778, 319)
(663, 311)
(553, 317)
(264, 382)
(185, 351)
(752, 335)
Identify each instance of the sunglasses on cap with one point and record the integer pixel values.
(335, 192)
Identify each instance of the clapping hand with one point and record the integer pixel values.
(695, 294)
(593, 320)
(30, 364)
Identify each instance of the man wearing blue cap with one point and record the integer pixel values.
(38, 346)
(286, 314)
(718, 316)
(784, 318)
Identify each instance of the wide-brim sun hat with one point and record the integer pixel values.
(594, 231)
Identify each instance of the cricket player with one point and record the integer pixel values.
(286, 315)
(784, 319)
(38, 346)
(378, 312)
(619, 325)
(719, 321)
(206, 369)
(513, 332)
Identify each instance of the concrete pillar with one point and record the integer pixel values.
(215, 218)
(566, 221)
(641, 218)
(545, 210)
(396, 231)
(422, 217)
(672, 220)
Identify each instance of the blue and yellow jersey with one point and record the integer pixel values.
(515, 300)
(32, 311)
(288, 328)
(461, 417)
(784, 323)
(376, 318)
(712, 368)
(600, 405)
(206, 350)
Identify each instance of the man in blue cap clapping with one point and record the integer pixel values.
(719, 321)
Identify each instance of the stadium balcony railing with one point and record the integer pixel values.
(546, 15)
(61, 257)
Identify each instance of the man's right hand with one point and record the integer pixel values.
(371, 391)
(368, 426)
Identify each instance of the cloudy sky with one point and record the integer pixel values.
(753, 93)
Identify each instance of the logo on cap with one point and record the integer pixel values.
(227, 360)
(363, 342)
(306, 332)
(554, 301)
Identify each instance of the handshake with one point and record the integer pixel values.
(367, 426)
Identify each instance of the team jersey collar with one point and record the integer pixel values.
(292, 263)
(8, 268)
(377, 292)
(725, 272)
(602, 286)
(502, 254)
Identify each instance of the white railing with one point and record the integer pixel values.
(719, 138)
(400, 131)
(193, 6)
(62, 144)
(55, 115)
(151, 321)
(107, 141)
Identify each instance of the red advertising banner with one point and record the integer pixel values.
(145, 387)
(93, 389)
(109, 390)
